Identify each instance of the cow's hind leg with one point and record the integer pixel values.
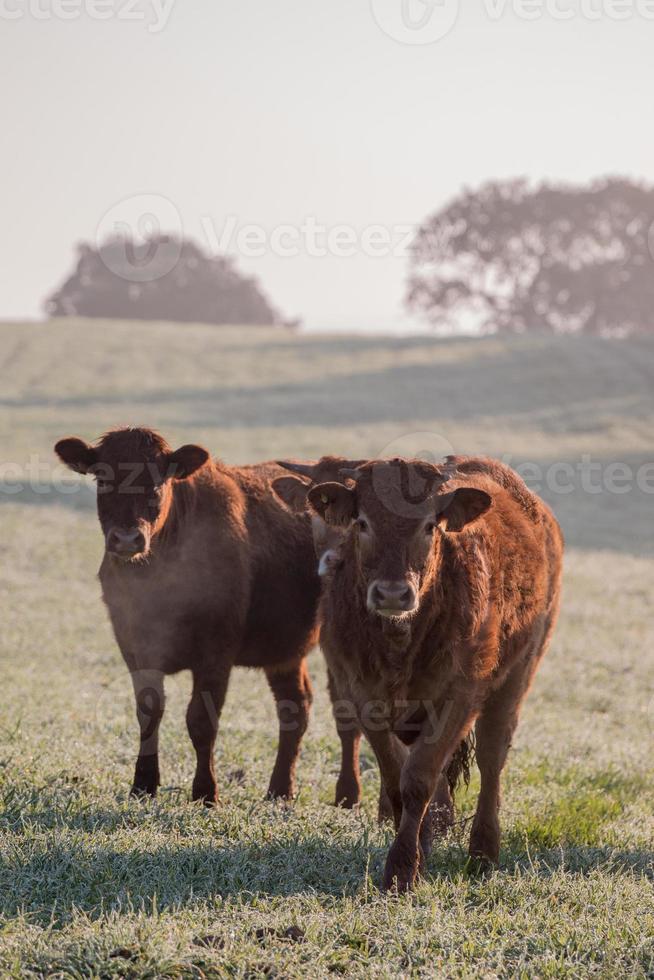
(202, 716)
(440, 815)
(291, 689)
(494, 730)
(348, 785)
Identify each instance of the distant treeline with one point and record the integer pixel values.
(161, 278)
(506, 257)
(561, 259)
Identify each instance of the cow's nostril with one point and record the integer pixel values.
(392, 595)
(129, 542)
(376, 595)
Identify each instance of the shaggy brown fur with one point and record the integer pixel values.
(435, 620)
(204, 570)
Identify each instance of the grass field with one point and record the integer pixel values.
(93, 884)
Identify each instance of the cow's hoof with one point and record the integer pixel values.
(399, 881)
(401, 871)
(479, 866)
(146, 777)
(206, 793)
(484, 846)
(347, 796)
(142, 792)
(280, 792)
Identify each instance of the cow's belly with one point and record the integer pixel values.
(277, 645)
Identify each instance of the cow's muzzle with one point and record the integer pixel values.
(392, 598)
(126, 543)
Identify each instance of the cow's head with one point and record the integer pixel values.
(134, 470)
(394, 516)
(326, 538)
(294, 491)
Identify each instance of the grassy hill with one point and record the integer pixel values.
(94, 885)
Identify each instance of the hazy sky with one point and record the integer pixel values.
(218, 115)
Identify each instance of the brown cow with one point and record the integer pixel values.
(294, 491)
(204, 569)
(435, 620)
(327, 539)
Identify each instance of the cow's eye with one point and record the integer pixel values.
(361, 525)
(430, 528)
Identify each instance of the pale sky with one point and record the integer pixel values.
(277, 112)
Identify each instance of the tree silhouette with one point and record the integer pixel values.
(161, 278)
(511, 258)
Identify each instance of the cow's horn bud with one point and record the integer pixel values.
(304, 469)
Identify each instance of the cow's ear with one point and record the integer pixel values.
(458, 509)
(184, 462)
(333, 502)
(76, 454)
(292, 491)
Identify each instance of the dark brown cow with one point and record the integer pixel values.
(204, 569)
(435, 619)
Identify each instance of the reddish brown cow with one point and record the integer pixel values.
(204, 569)
(434, 620)
(327, 539)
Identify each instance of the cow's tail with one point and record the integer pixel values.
(460, 763)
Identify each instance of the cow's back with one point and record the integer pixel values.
(522, 548)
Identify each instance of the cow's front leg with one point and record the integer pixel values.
(291, 689)
(149, 695)
(202, 716)
(348, 785)
(430, 753)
